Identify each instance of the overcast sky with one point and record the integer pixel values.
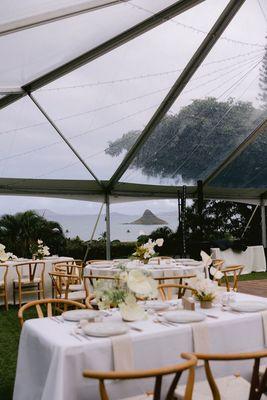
(116, 93)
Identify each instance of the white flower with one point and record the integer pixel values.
(142, 285)
(46, 251)
(159, 242)
(2, 248)
(39, 241)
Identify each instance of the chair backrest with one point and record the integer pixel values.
(48, 304)
(258, 385)
(166, 290)
(70, 269)
(30, 270)
(3, 273)
(158, 374)
(61, 282)
(235, 272)
(175, 277)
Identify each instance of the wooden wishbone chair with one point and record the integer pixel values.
(61, 283)
(166, 290)
(48, 303)
(158, 374)
(30, 279)
(3, 283)
(232, 387)
(234, 271)
(179, 278)
(89, 282)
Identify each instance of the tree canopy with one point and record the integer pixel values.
(191, 143)
(18, 232)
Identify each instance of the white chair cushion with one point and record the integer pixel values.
(26, 281)
(230, 388)
(79, 295)
(140, 397)
(74, 288)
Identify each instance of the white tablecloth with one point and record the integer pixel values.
(12, 274)
(253, 258)
(157, 271)
(51, 361)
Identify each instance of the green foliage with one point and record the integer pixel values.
(218, 126)
(20, 231)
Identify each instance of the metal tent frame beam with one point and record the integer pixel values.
(237, 151)
(199, 56)
(155, 20)
(56, 15)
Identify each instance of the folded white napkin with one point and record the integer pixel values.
(206, 259)
(264, 326)
(200, 339)
(123, 356)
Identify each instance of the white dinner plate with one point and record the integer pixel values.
(184, 316)
(156, 305)
(77, 315)
(249, 306)
(105, 329)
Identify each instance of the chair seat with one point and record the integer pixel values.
(230, 387)
(26, 281)
(79, 295)
(140, 397)
(76, 287)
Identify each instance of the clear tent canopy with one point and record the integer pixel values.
(133, 99)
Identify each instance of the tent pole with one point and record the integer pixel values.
(107, 228)
(183, 212)
(93, 232)
(263, 224)
(200, 204)
(249, 221)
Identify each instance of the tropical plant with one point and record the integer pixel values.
(21, 231)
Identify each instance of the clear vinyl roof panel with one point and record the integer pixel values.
(217, 110)
(249, 169)
(30, 53)
(113, 98)
(37, 150)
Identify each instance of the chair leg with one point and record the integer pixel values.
(14, 293)
(6, 300)
(20, 296)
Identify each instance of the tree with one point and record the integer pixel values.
(193, 142)
(19, 231)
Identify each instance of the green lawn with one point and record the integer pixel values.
(9, 339)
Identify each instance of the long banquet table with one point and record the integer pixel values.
(51, 361)
(12, 274)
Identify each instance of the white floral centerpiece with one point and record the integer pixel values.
(124, 291)
(205, 291)
(39, 250)
(6, 256)
(145, 251)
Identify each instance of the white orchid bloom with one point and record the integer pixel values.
(159, 242)
(140, 284)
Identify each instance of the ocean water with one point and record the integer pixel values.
(82, 225)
